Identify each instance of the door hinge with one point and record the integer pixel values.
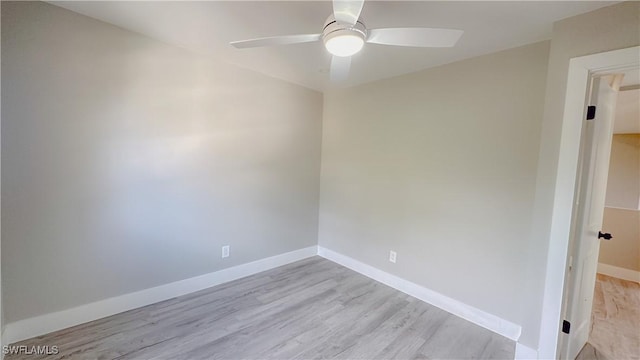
(570, 263)
(566, 326)
(591, 112)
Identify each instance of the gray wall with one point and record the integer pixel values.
(623, 182)
(128, 163)
(439, 166)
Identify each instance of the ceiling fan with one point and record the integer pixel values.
(344, 34)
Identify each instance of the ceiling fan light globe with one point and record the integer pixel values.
(344, 42)
(344, 45)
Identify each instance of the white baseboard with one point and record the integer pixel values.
(524, 352)
(43, 324)
(618, 272)
(498, 325)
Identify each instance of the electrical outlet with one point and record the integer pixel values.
(392, 256)
(225, 251)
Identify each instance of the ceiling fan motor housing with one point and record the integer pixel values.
(334, 29)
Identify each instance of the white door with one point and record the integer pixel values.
(587, 219)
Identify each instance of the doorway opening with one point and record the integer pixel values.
(581, 69)
(619, 200)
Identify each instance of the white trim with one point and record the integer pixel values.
(620, 208)
(455, 307)
(43, 324)
(580, 69)
(618, 272)
(524, 352)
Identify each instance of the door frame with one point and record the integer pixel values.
(581, 70)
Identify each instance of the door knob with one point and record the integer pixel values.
(605, 236)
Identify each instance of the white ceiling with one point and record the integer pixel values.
(208, 27)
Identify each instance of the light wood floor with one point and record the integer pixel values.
(615, 320)
(588, 352)
(311, 309)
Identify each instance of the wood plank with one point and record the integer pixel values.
(615, 320)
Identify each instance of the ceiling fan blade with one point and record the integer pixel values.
(340, 68)
(276, 40)
(347, 11)
(418, 37)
